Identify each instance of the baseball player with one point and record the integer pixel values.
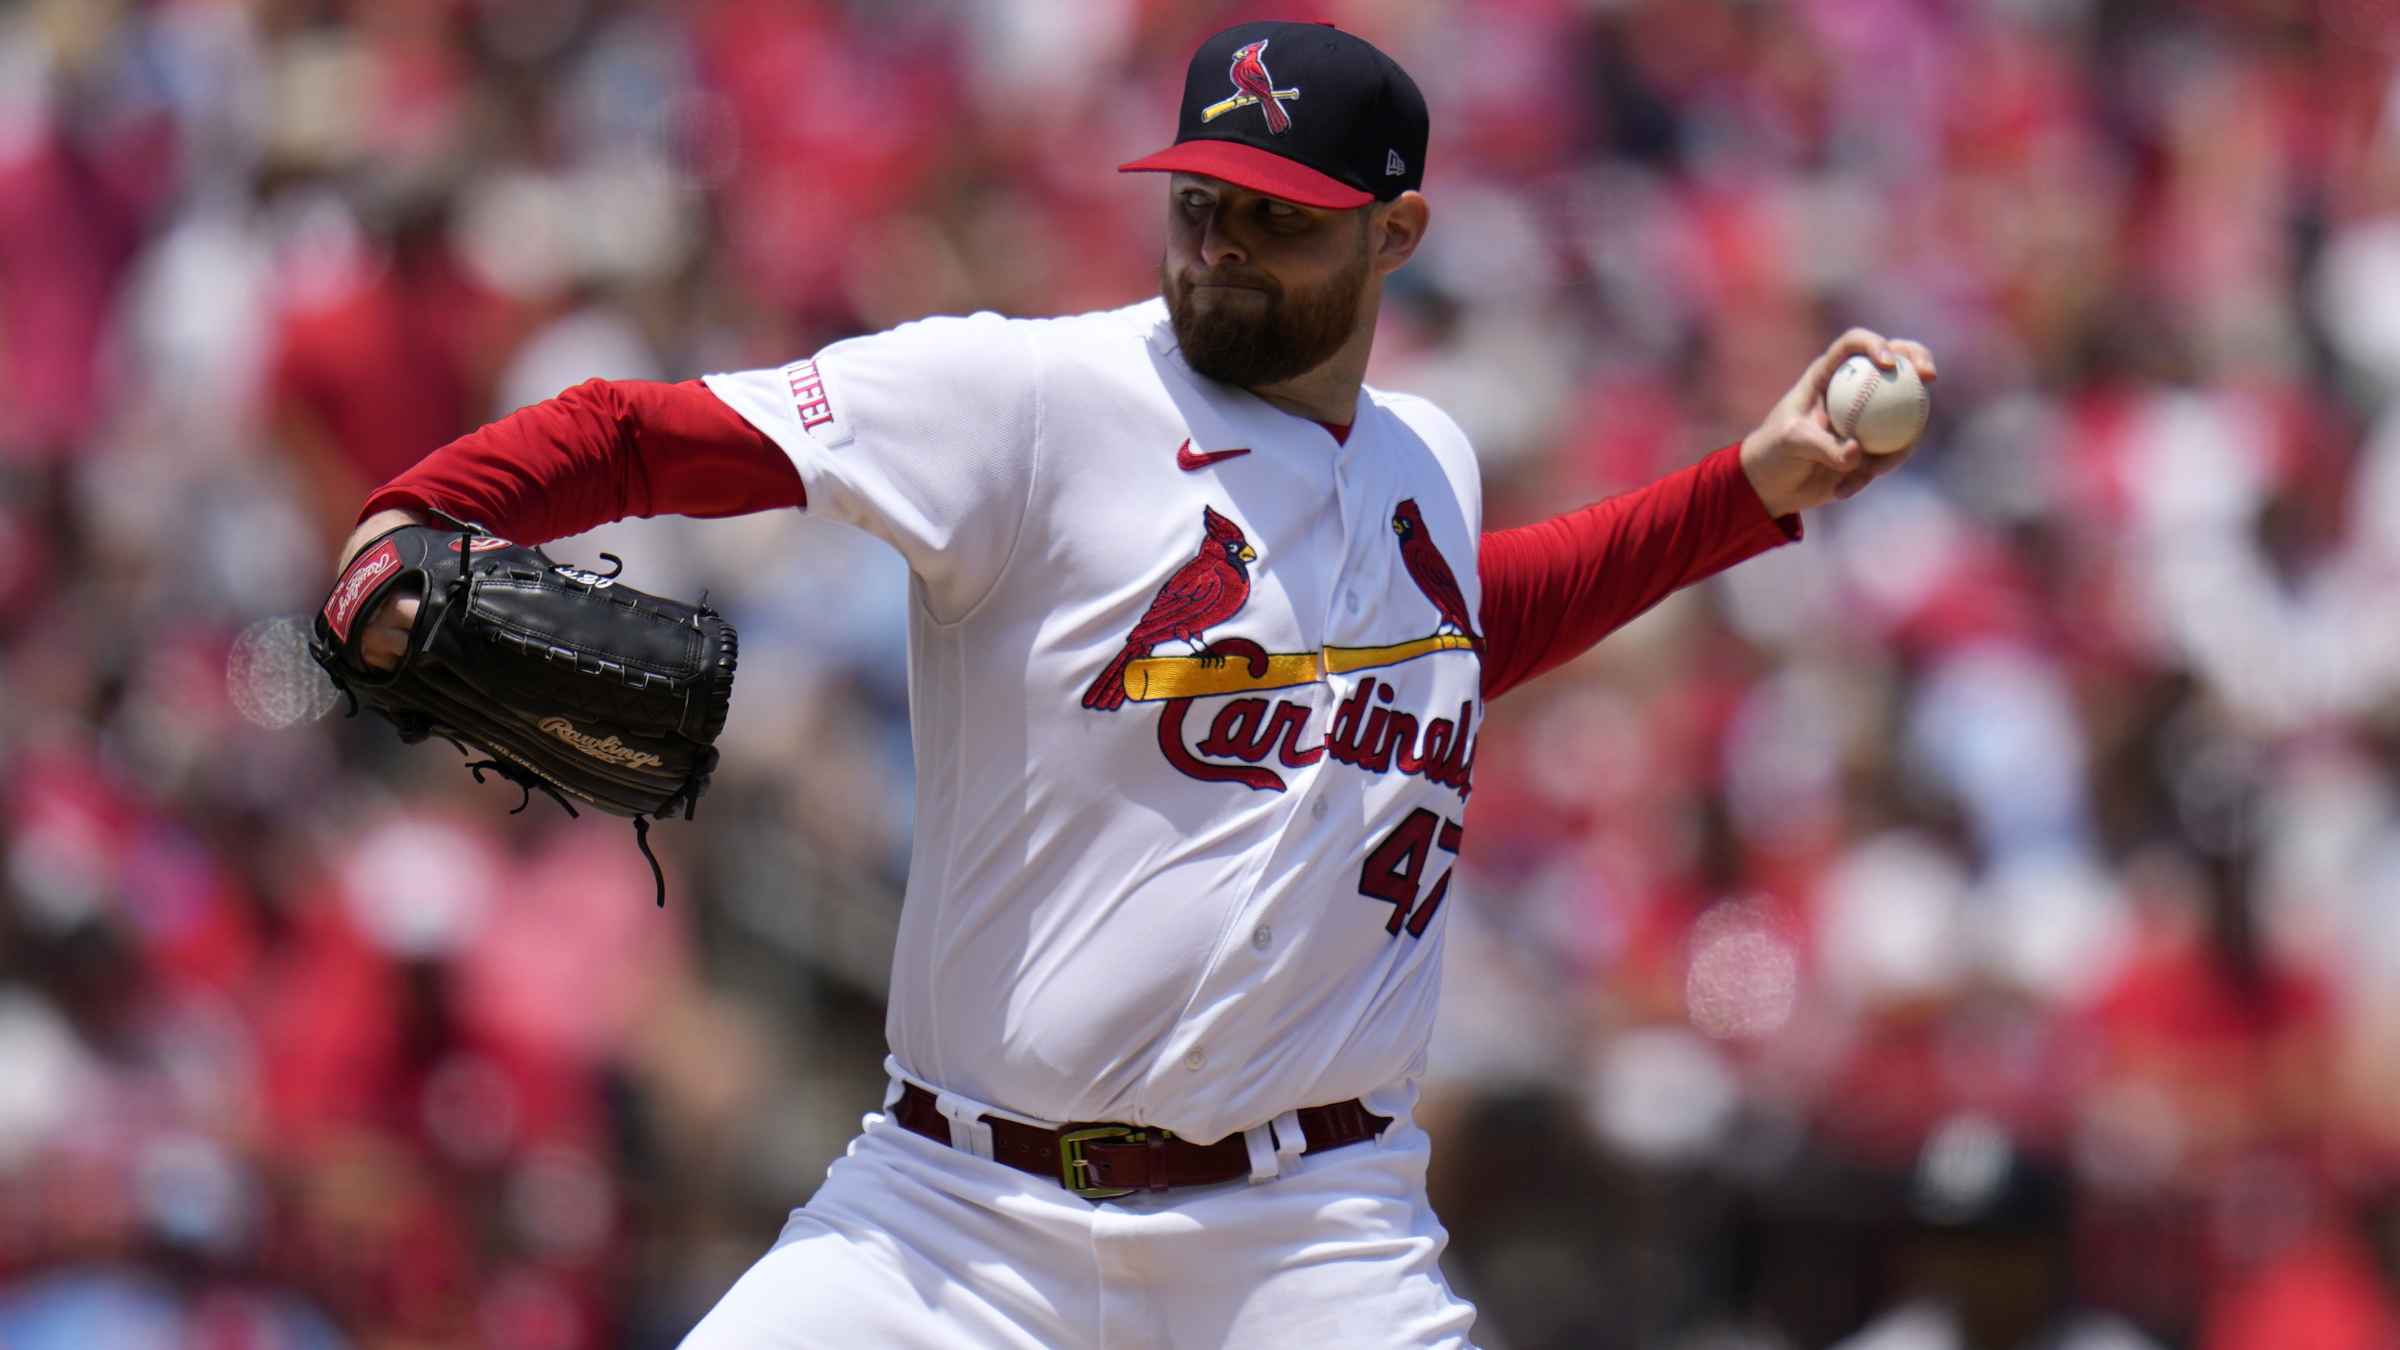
(1201, 633)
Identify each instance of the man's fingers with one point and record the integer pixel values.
(1879, 465)
(1867, 342)
(1856, 342)
(1870, 468)
(398, 611)
(385, 640)
(1918, 355)
(1823, 446)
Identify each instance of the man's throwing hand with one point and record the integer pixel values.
(1794, 460)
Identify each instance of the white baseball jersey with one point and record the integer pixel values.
(1194, 714)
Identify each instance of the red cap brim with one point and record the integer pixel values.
(1250, 167)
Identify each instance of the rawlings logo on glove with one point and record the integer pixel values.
(374, 565)
(612, 750)
(572, 683)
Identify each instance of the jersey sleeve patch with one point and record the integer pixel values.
(922, 435)
(813, 404)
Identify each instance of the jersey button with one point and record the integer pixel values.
(1317, 808)
(1195, 1061)
(1351, 599)
(1262, 937)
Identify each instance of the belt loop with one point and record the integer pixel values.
(1155, 1154)
(968, 1131)
(1290, 1140)
(1264, 1166)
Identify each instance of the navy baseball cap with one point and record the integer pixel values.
(1301, 111)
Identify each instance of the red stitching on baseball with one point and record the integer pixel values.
(1858, 404)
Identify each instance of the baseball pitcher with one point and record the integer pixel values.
(1202, 629)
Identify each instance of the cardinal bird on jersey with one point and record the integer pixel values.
(1250, 76)
(1431, 572)
(1203, 593)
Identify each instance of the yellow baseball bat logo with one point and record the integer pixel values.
(1165, 677)
(1225, 105)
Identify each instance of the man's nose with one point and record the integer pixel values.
(1217, 244)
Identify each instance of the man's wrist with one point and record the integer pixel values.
(379, 523)
(1753, 453)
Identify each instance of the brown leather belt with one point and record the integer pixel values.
(1100, 1162)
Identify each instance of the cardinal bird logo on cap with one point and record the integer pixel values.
(1250, 76)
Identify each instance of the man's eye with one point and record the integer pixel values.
(1195, 201)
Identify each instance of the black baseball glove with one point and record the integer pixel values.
(573, 684)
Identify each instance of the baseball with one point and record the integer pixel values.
(1883, 410)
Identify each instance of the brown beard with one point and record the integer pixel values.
(1293, 333)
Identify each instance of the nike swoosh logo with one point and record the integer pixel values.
(1192, 461)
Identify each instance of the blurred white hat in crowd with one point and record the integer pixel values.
(1661, 1094)
(1893, 920)
(2357, 276)
(2053, 923)
(52, 1080)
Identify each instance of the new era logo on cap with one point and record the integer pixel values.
(1301, 111)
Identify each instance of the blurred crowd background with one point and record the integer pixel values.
(1964, 931)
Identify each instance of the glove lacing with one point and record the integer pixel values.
(529, 782)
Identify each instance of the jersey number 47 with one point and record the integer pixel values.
(1395, 868)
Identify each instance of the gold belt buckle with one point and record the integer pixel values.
(1073, 1169)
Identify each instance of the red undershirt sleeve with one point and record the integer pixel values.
(601, 451)
(1554, 588)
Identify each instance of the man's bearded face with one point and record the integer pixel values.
(1238, 324)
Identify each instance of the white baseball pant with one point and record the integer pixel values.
(913, 1244)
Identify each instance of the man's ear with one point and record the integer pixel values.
(1395, 230)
